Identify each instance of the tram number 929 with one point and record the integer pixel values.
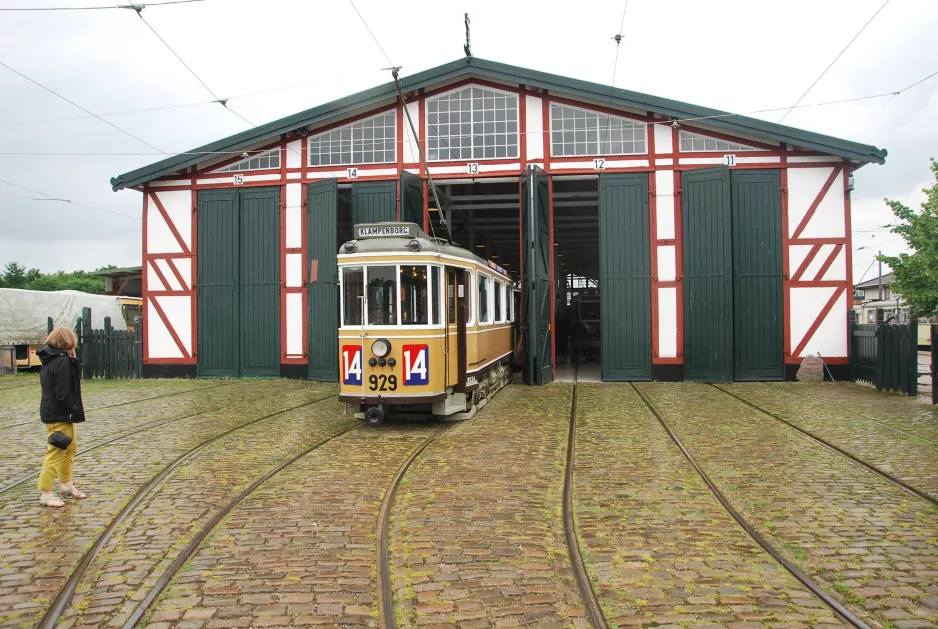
(381, 382)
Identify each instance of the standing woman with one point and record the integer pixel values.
(61, 408)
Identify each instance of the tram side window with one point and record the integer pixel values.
(451, 297)
(435, 288)
(499, 292)
(414, 296)
(382, 295)
(485, 316)
(353, 283)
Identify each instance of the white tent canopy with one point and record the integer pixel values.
(23, 313)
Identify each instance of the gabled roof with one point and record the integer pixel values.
(481, 68)
(887, 279)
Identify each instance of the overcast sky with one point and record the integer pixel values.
(735, 55)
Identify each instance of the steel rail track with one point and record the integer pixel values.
(593, 609)
(918, 493)
(146, 399)
(162, 422)
(850, 412)
(809, 583)
(184, 556)
(385, 592)
(65, 594)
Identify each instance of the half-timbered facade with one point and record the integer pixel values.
(719, 245)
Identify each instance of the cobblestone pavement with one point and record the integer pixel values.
(21, 403)
(477, 532)
(23, 447)
(659, 547)
(21, 379)
(39, 546)
(301, 550)
(870, 544)
(906, 457)
(915, 415)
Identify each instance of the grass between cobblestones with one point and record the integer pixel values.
(841, 524)
(659, 547)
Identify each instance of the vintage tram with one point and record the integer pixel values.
(426, 327)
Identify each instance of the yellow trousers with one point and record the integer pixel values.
(58, 461)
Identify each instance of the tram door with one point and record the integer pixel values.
(457, 298)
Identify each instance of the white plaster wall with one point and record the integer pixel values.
(804, 184)
(411, 150)
(153, 280)
(178, 206)
(664, 204)
(806, 304)
(185, 269)
(294, 270)
(294, 324)
(160, 342)
(293, 153)
(666, 263)
(534, 125)
(294, 216)
(667, 322)
(663, 139)
(171, 278)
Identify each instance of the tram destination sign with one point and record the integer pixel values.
(399, 230)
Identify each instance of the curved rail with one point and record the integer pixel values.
(197, 540)
(22, 479)
(146, 399)
(587, 593)
(64, 596)
(850, 412)
(384, 589)
(918, 493)
(809, 583)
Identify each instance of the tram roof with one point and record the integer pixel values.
(394, 238)
(484, 69)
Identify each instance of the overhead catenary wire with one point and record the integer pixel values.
(820, 76)
(99, 8)
(368, 28)
(615, 67)
(52, 197)
(74, 104)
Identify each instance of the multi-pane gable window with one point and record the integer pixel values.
(696, 143)
(268, 160)
(369, 141)
(577, 131)
(472, 123)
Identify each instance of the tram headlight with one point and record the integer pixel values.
(381, 348)
(414, 245)
(350, 246)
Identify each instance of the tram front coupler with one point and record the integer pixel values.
(374, 416)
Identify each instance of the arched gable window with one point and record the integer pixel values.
(264, 161)
(472, 123)
(576, 131)
(368, 141)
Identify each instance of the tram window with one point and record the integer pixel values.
(435, 289)
(499, 291)
(414, 296)
(451, 297)
(382, 295)
(485, 315)
(353, 284)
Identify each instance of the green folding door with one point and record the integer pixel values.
(411, 199)
(374, 202)
(758, 345)
(708, 270)
(323, 295)
(625, 277)
(537, 250)
(239, 283)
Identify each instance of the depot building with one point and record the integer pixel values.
(651, 238)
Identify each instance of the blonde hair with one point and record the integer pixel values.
(62, 338)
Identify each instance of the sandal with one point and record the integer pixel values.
(73, 493)
(51, 501)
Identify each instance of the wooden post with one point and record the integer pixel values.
(85, 340)
(912, 365)
(107, 349)
(50, 325)
(138, 347)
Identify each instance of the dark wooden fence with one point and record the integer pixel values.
(885, 355)
(106, 352)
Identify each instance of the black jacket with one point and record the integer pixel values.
(61, 387)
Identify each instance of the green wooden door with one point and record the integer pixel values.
(708, 289)
(625, 277)
(260, 282)
(758, 343)
(537, 250)
(411, 199)
(218, 295)
(374, 202)
(322, 244)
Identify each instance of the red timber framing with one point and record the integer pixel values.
(194, 180)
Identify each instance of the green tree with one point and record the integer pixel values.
(915, 275)
(14, 275)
